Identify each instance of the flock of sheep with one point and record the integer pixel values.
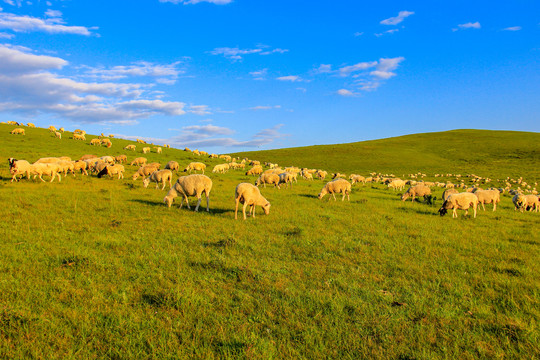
(195, 185)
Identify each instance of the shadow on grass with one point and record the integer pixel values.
(428, 211)
(148, 202)
(308, 196)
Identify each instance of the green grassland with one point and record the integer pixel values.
(101, 268)
(481, 152)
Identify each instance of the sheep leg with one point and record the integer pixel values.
(334, 196)
(187, 202)
(244, 209)
(454, 213)
(252, 210)
(237, 200)
(483, 206)
(198, 203)
(207, 202)
(474, 209)
(494, 206)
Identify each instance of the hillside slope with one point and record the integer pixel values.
(485, 152)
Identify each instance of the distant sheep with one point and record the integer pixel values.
(140, 161)
(190, 185)
(58, 135)
(338, 175)
(19, 167)
(336, 186)
(111, 170)
(120, 159)
(268, 179)
(160, 176)
(249, 195)
(195, 166)
(130, 147)
(417, 190)
(95, 142)
(158, 149)
(461, 201)
(145, 150)
(449, 192)
(172, 165)
(144, 171)
(357, 179)
(31, 125)
(45, 169)
(286, 178)
(221, 168)
(18, 131)
(396, 184)
(488, 197)
(79, 137)
(255, 170)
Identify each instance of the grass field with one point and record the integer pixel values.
(101, 268)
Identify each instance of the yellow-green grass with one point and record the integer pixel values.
(101, 268)
(481, 152)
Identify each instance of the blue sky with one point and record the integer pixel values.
(232, 75)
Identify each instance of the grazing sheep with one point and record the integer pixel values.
(140, 161)
(461, 201)
(79, 131)
(286, 178)
(336, 186)
(158, 149)
(106, 142)
(62, 130)
(120, 159)
(255, 170)
(108, 159)
(17, 131)
(31, 125)
(144, 171)
(306, 175)
(145, 150)
(417, 190)
(58, 135)
(488, 197)
(47, 160)
(79, 137)
(249, 195)
(221, 168)
(268, 179)
(396, 184)
(65, 166)
(45, 169)
(95, 142)
(130, 147)
(524, 202)
(190, 185)
(449, 192)
(195, 166)
(159, 176)
(141, 141)
(80, 165)
(19, 167)
(52, 128)
(111, 170)
(338, 175)
(321, 174)
(172, 165)
(357, 179)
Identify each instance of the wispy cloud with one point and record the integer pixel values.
(265, 107)
(199, 109)
(259, 75)
(292, 78)
(345, 92)
(469, 25)
(512, 28)
(397, 19)
(386, 32)
(165, 73)
(236, 53)
(51, 25)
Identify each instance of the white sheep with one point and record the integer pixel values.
(95, 142)
(396, 184)
(162, 176)
(190, 185)
(522, 202)
(130, 147)
(172, 165)
(488, 197)
(221, 168)
(336, 186)
(449, 192)
(249, 195)
(417, 190)
(79, 137)
(195, 166)
(286, 178)
(80, 165)
(19, 167)
(140, 161)
(268, 178)
(145, 150)
(58, 134)
(461, 201)
(111, 170)
(45, 169)
(145, 170)
(17, 131)
(255, 170)
(357, 179)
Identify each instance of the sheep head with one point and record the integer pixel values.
(266, 208)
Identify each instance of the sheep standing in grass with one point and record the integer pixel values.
(130, 147)
(190, 185)
(321, 174)
(160, 176)
(31, 125)
(449, 192)
(417, 190)
(95, 142)
(336, 186)
(140, 161)
(111, 170)
(58, 135)
(120, 159)
(79, 137)
(268, 179)
(145, 150)
(286, 178)
(255, 170)
(45, 169)
(461, 201)
(80, 165)
(249, 195)
(19, 167)
(144, 171)
(172, 165)
(524, 202)
(357, 179)
(488, 197)
(195, 166)
(221, 168)
(17, 131)
(338, 175)
(397, 184)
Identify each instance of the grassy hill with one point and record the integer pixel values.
(101, 268)
(482, 152)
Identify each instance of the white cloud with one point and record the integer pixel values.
(24, 23)
(236, 53)
(512, 28)
(292, 78)
(347, 70)
(166, 73)
(386, 32)
(324, 69)
(475, 25)
(187, 2)
(53, 13)
(345, 92)
(199, 109)
(396, 20)
(208, 130)
(259, 75)
(28, 86)
(358, 33)
(265, 107)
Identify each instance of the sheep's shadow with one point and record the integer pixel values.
(309, 196)
(148, 202)
(418, 211)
